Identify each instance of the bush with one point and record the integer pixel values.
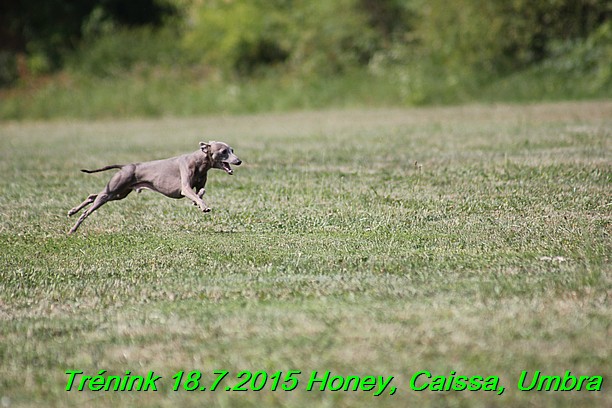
(309, 36)
(8, 68)
(45, 31)
(332, 37)
(498, 36)
(237, 35)
(120, 50)
(589, 57)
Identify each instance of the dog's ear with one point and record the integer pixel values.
(204, 147)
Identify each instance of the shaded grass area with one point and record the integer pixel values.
(380, 242)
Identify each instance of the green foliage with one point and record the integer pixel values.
(333, 37)
(590, 57)
(46, 31)
(253, 55)
(471, 36)
(118, 51)
(237, 35)
(576, 69)
(8, 68)
(499, 36)
(312, 37)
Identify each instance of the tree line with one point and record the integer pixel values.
(307, 37)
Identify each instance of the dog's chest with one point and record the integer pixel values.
(199, 176)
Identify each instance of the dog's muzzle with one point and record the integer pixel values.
(228, 169)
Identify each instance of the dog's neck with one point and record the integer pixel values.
(206, 162)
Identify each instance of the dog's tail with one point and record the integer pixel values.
(112, 166)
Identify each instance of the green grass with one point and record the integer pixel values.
(382, 242)
(159, 91)
(182, 92)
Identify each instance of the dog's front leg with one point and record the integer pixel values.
(200, 193)
(188, 182)
(188, 192)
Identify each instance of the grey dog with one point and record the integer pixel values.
(176, 177)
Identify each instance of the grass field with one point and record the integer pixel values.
(362, 242)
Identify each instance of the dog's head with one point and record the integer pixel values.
(221, 155)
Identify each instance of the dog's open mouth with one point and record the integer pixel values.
(225, 166)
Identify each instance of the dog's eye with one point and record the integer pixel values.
(224, 151)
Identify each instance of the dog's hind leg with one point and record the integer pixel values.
(99, 201)
(84, 204)
(119, 186)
